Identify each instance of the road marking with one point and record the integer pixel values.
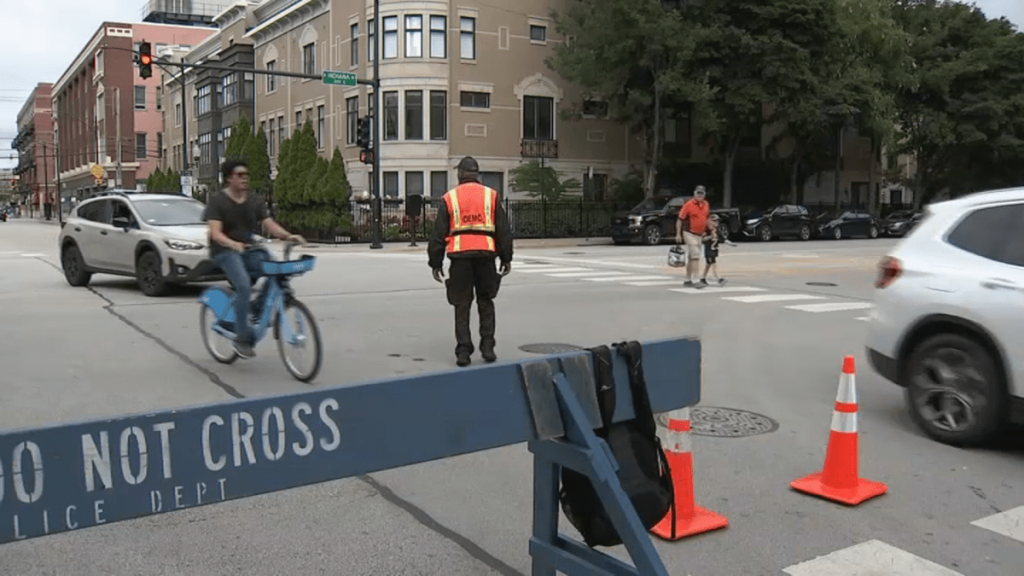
(871, 558)
(831, 306)
(712, 289)
(32, 255)
(555, 269)
(1009, 523)
(656, 283)
(591, 273)
(588, 262)
(621, 279)
(864, 318)
(772, 298)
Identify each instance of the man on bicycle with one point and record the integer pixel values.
(235, 217)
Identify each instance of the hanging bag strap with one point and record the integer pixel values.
(633, 351)
(604, 383)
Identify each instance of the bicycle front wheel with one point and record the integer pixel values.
(298, 341)
(220, 347)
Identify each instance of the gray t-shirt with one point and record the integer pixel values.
(240, 220)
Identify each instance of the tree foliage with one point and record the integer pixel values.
(311, 193)
(542, 182)
(251, 148)
(161, 182)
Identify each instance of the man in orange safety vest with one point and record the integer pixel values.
(472, 230)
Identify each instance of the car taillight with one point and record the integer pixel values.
(889, 270)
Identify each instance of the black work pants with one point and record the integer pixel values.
(467, 276)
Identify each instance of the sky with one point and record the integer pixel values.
(42, 37)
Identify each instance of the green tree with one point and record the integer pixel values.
(541, 181)
(252, 149)
(310, 192)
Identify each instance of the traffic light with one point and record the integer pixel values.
(145, 60)
(363, 132)
(366, 156)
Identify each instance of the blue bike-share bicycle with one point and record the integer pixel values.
(293, 325)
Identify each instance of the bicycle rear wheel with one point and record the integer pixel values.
(219, 346)
(297, 331)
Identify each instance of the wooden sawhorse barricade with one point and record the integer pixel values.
(75, 476)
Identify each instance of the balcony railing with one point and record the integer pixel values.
(183, 9)
(530, 148)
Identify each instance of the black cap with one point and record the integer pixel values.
(468, 164)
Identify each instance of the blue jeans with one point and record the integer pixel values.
(241, 269)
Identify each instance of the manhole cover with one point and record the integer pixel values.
(549, 348)
(726, 422)
(821, 284)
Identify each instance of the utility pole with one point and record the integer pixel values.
(46, 187)
(117, 120)
(56, 161)
(375, 118)
(184, 120)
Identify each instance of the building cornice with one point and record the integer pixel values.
(88, 51)
(299, 14)
(231, 14)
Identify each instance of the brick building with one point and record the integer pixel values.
(34, 144)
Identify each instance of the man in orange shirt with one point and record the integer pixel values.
(690, 227)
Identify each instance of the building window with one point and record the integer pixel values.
(352, 118)
(414, 115)
(538, 33)
(271, 80)
(438, 115)
(371, 53)
(438, 184)
(140, 97)
(177, 114)
(160, 145)
(206, 149)
(391, 184)
(438, 37)
(321, 121)
(140, 146)
(298, 122)
(270, 138)
(229, 89)
(467, 36)
(475, 99)
(538, 113)
(495, 180)
(414, 36)
(309, 58)
(355, 44)
(204, 100)
(391, 116)
(413, 183)
(280, 131)
(390, 37)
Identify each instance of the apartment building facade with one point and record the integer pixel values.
(34, 144)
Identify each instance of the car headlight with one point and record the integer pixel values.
(635, 219)
(183, 245)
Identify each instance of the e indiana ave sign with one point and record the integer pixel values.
(334, 78)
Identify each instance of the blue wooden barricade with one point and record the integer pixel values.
(75, 476)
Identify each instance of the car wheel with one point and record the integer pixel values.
(955, 393)
(765, 233)
(837, 233)
(148, 274)
(652, 235)
(74, 266)
(873, 232)
(805, 232)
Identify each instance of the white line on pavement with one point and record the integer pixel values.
(590, 262)
(871, 558)
(864, 318)
(713, 289)
(1009, 523)
(552, 269)
(591, 273)
(620, 279)
(831, 306)
(32, 255)
(772, 298)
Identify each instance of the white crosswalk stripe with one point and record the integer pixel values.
(590, 273)
(871, 558)
(863, 318)
(1009, 523)
(714, 289)
(620, 278)
(657, 283)
(772, 298)
(552, 269)
(831, 306)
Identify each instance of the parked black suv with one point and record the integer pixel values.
(782, 220)
(654, 219)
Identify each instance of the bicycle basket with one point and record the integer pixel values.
(289, 267)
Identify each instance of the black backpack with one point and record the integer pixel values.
(643, 470)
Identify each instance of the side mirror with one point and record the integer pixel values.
(125, 223)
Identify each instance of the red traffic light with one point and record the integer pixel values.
(366, 156)
(146, 59)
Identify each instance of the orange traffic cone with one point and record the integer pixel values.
(838, 480)
(685, 518)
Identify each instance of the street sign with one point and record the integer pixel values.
(333, 78)
(97, 171)
(186, 181)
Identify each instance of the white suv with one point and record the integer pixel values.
(948, 317)
(159, 239)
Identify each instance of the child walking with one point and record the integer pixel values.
(711, 241)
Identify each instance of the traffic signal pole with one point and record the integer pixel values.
(375, 118)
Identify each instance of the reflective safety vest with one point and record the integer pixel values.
(471, 218)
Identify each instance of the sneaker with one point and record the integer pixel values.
(489, 355)
(703, 282)
(721, 281)
(462, 360)
(244, 350)
(688, 284)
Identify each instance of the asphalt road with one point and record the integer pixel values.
(773, 339)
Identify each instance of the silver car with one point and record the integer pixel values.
(158, 239)
(949, 306)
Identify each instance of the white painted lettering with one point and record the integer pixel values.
(164, 428)
(335, 433)
(221, 482)
(96, 461)
(19, 478)
(17, 529)
(200, 492)
(177, 497)
(68, 520)
(297, 420)
(126, 465)
(207, 456)
(46, 521)
(157, 500)
(238, 439)
(98, 509)
(279, 418)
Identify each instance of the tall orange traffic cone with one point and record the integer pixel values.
(684, 518)
(838, 480)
